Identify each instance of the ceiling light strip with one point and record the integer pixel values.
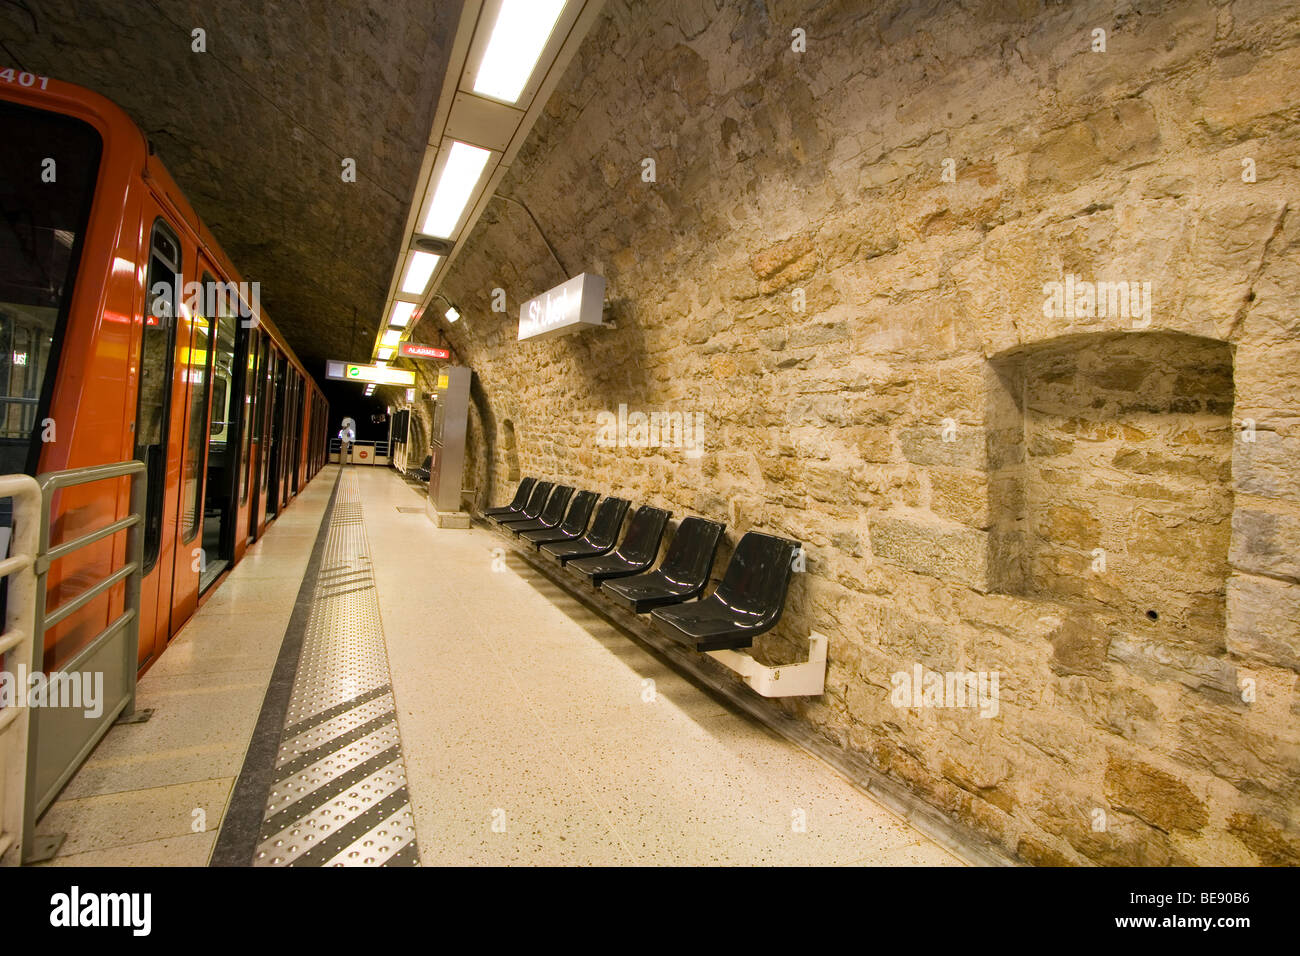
(521, 32)
(555, 29)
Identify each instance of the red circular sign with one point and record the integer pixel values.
(363, 453)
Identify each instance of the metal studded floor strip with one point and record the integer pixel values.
(338, 795)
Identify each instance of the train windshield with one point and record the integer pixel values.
(47, 178)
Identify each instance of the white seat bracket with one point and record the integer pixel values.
(806, 679)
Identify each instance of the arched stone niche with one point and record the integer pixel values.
(510, 450)
(1111, 479)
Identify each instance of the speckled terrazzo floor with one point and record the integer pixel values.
(535, 732)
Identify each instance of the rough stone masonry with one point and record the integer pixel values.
(993, 306)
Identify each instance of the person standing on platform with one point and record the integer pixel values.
(347, 435)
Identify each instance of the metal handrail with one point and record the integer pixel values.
(17, 648)
(44, 618)
(380, 446)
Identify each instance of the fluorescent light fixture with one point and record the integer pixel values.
(518, 37)
(452, 313)
(380, 363)
(418, 271)
(460, 174)
(385, 354)
(391, 338)
(401, 314)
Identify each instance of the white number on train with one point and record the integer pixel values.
(23, 79)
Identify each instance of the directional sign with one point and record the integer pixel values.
(378, 374)
(412, 350)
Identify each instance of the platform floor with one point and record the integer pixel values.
(528, 729)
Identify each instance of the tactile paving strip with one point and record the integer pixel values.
(339, 797)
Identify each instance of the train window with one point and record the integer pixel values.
(153, 403)
(198, 371)
(220, 408)
(42, 225)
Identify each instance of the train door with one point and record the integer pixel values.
(286, 433)
(286, 451)
(286, 455)
(291, 434)
(314, 465)
(246, 390)
(260, 477)
(275, 436)
(300, 446)
(222, 431)
(314, 432)
(300, 428)
(194, 360)
(153, 427)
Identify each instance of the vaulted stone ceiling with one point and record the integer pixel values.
(255, 130)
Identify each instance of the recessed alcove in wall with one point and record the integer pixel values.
(509, 449)
(1118, 497)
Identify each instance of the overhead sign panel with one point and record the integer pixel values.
(376, 374)
(412, 350)
(569, 307)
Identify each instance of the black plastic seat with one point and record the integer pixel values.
(536, 501)
(551, 515)
(683, 574)
(638, 551)
(748, 602)
(573, 525)
(604, 532)
(422, 473)
(516, 505)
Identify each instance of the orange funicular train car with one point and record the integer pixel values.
(125, 333)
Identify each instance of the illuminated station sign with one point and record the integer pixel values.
(376, 374)
(412, 350)
(569, 307)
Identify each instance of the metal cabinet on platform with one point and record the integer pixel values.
(447, 448)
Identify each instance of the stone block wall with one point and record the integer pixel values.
(851, 263)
